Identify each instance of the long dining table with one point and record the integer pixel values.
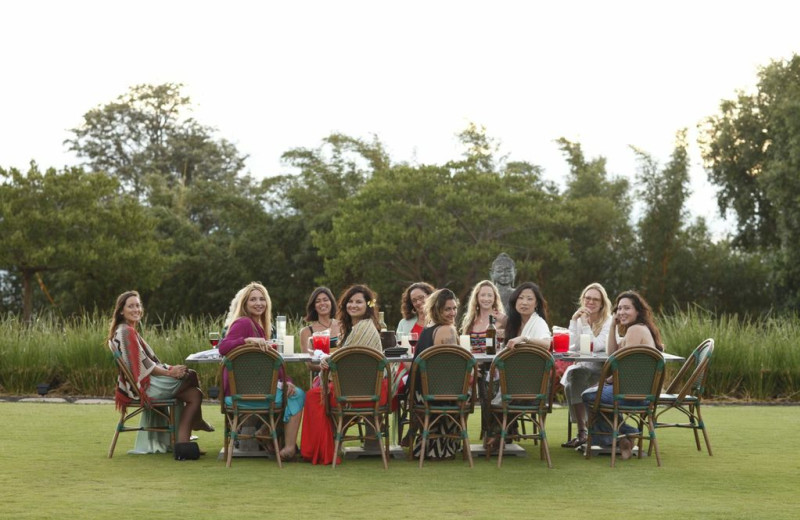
(485, 360)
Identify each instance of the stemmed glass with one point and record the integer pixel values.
(213, 338)
(412, 339)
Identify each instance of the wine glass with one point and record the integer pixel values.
(412, 339)
(213, 338)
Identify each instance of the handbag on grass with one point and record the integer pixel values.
(187, 451)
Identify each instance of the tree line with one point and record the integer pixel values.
(162, 204)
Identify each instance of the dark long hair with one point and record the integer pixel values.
(311, 307)
(345, 321)
(644, 315)
(116, 315)
(406, 306)
(514, 324)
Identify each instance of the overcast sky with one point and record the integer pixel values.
(273, 76)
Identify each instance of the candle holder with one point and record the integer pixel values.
(213, 392)
(42, 389)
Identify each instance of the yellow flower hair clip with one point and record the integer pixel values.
(372, 303)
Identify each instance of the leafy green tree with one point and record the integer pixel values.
(598, 232)
(304, 205)
(664, 193)
(75, 225)
(752, 152)
(148, 131)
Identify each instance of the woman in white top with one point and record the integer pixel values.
(527, 317)
(593, 317)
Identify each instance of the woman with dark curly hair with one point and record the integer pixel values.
(412, 305)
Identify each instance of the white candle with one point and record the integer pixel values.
(586, 342)
(288, 344)
(463, 340)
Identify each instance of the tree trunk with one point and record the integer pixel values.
(27, 295)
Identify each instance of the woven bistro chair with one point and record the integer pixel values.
(163, 408)
(358, 374)
(685, 392)
(447, 377)
(638, 373)
(254, 381)
(525, 374)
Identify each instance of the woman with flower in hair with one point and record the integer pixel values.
(154, 379)
(358, 322)
(249, 321)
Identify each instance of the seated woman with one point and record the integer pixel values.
(155, 380)
(484, 301)
(527, 317)
(320, 312)
(358, 318)
(249, 320)
(633, 321)
(441, 308)
(593, 317)
(412, 305)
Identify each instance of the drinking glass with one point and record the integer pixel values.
(213, 338)
(322, 341)
(412, 340)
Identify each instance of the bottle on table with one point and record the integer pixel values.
(491, 337)
(381, 322)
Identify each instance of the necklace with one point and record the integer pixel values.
(326, 326)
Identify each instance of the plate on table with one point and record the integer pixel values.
(394, 351)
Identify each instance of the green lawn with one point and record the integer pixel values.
(53, 465)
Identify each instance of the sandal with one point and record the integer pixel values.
(577, 442)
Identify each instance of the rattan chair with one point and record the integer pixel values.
(164, 408)
(253, 380)
(357, 374)
(685, 392)
(525, 374)
(638, 373)
(447, 377)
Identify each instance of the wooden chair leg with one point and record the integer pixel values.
(545, 444)
(614, 436)
(379, 433)
(503, 433)
(120, 424)
(337, 441)
(702, 425)
(425, 426)
(465, 440)
(653, 439)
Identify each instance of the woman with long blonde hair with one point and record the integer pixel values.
(249, 321)
(593, 317)
(484, 301)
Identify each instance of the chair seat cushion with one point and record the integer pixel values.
(250, 405)
(674, 397)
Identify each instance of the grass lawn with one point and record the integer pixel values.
(53, 465)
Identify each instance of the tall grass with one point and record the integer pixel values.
(754, 359)
(72, 356)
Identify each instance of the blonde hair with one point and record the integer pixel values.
(473, 305)
(238, 307)
(605, 310)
